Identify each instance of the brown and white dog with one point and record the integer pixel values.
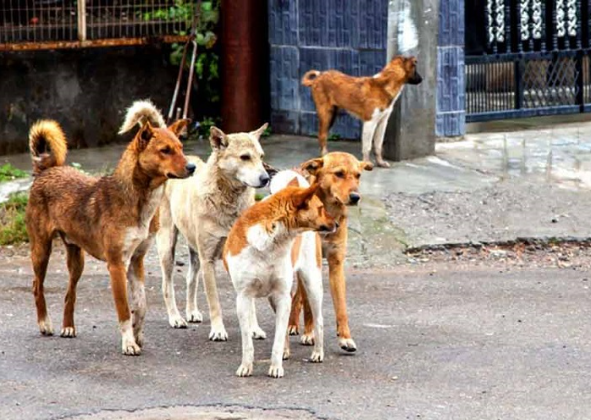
(371, 99)
(258, 257)
(110, 218)
(337, 175)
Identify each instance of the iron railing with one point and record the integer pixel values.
(49, 24)
(533, 59)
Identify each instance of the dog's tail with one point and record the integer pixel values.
(140, 112)
(309, 77)
(48, 145)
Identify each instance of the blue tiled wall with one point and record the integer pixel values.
(451, 92)
(347, 35)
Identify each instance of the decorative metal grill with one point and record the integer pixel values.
(38, 24)
(533, 59)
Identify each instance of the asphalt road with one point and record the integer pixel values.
(436, 341)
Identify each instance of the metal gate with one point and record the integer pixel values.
(527, 58)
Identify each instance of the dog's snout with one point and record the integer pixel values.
(354, 198)
(415, 79)
(190, 168)
(264, 179)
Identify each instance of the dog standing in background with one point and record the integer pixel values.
(371, 99)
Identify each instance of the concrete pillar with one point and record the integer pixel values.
(413, 30)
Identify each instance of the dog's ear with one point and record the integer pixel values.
(312, 166)
(366, 166)
(145, 135)
(293, 183)
(179, 127)
(217, 138)
(301, 198)
(258, 133)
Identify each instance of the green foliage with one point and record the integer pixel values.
(204, 126)
(9, 172)
(12, 219)
(267, 132)
(334, 137)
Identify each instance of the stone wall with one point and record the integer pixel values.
(87, 91)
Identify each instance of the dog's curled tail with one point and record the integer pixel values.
(48, 145)
(140, 112)
(309, 77)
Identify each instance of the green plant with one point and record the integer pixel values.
(9, 172)
(204, 126)
(334, 137)
(12, 219)
(267, 132)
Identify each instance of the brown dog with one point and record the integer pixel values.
(338, 177)
(111, 218)
(370, 99)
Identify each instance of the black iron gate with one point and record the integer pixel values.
(527, 58)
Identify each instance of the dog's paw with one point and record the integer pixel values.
(307, 339)
(258, 333)
(347, 344)
(139, 339)
(45, 327)
(194, 316)
(244, 370)
(317, 356)
(177, 321)
(68, 332)
(382, 163)
(293, 330)
(218, 334)
(275, 371)
(130, 348)
(286, 354)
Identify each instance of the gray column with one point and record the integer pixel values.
(411, 129)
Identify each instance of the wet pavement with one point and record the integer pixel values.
(472, 333)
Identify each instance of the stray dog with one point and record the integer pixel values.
(257, 256)
(110, 218)
(306, 255)
(370, 99)
(337, 175)
(203, 209)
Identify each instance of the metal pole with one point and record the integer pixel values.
(81, 20)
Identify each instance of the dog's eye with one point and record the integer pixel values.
(357, 176)
(166, 151)
(339, 174)
(245, 157)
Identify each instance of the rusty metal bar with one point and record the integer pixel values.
(81, 20)
(93, 43)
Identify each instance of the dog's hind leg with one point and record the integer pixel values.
(194, 276)
(311, 277)
(369, 128)
(379, 140)
(75, 267)
(307, 338)
(326, 116)
(296, 309)
(257, 331)
(166, 243)
(40, 252)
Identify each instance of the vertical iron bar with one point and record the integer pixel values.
(579, 80)
(81, 20)
(518, 84)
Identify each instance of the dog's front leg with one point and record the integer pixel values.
(379, 140)
(137, 294)
(369, 128)
(338, 290)
(119, 286)
(243, 307)
(281, 302)
(312, 281)
(208, 250)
